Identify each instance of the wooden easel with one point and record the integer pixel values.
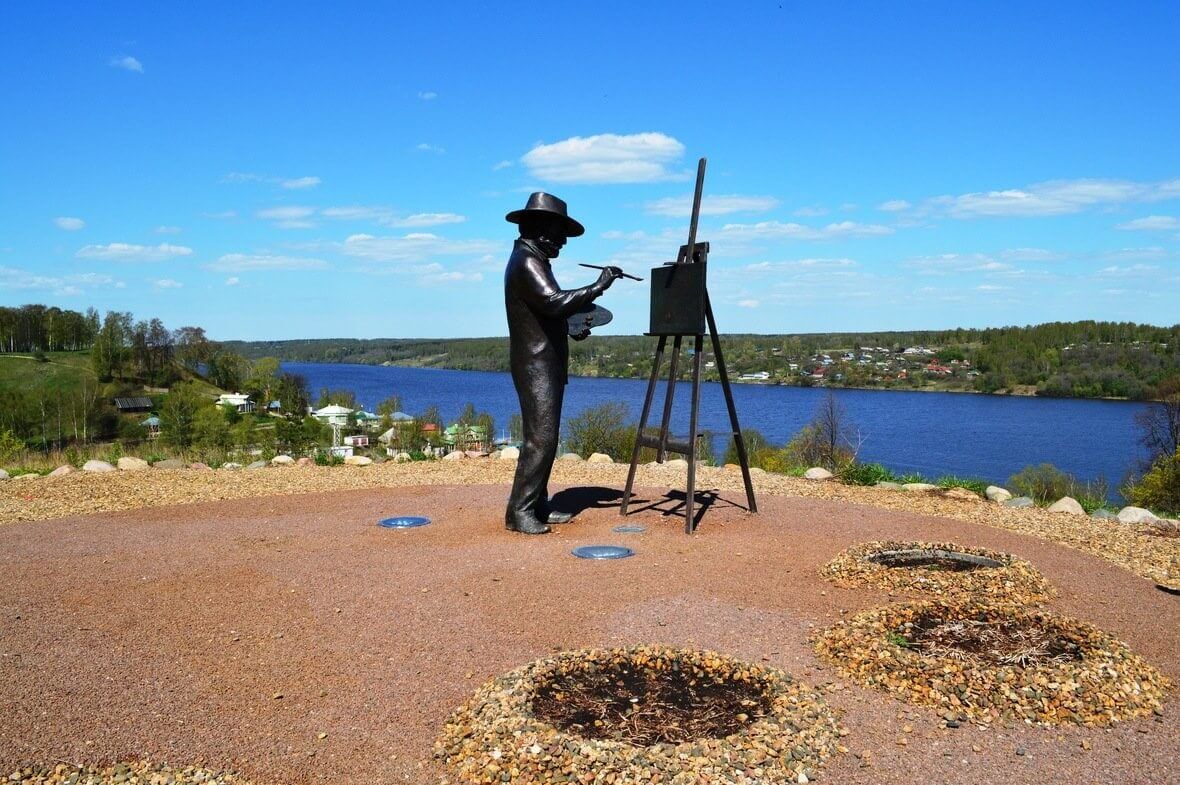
(692, 253)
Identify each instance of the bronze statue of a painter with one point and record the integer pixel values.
(539, 353)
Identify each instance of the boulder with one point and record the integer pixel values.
(258, 465)
(599, 457)
(919, 487)
(1103, 514)
(3, 475)
(572, 457)
(457, 455)
(889, 486)
(817, 473)
(305, 461)
(494, 455)
(231, 465)
(169, 463)
(1019, 502)
(1067, 504)
(476, 454)
(61, 471)
(997, 494)
(962, 494)
(129, 464)
(510, 454)
(97, 466)
(358, 460)
(197, 466)
(282, 460)
(1136, 515)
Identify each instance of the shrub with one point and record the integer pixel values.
(601, 428)
(865, 474)
(970, 483)
(1160, 488)
(1046, 484)
(10, 446)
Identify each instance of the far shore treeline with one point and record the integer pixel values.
(1060, 359)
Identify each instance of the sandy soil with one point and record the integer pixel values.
(233, 633)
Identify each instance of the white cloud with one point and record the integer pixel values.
(605, 158)
(800, 265)
(167, 283)
(894, 205)
(224, 215)
(615, 234)
(126, 252)
(1056, 197)
(301, 182)
(748, 303)
(943, 264)
(1031, 255)
(242, 177)
(1152, 223)
(501, 165)
(451, 276)
(810, 212)
(989, 287)
(69, 224)
(127, 63)
(232, 281)
(1131, 270)
(766, 230)
(428, 95)
(1133, 254)
(292, 217)
(357, 213)
(419, 220)
(387, 217)
(426, 147)
(681, 206)
(14, 279)
(240, 262)
(412, 247)
(168, 230)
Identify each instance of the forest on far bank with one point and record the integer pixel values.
(1085, 359)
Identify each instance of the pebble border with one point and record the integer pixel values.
(1109, 684)
(143, 772)
(1017, 582)
(495, 737)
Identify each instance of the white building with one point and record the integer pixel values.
(239, 401)
(333, 414)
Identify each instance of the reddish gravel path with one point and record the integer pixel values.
(167, 633)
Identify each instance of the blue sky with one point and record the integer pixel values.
(285, 170)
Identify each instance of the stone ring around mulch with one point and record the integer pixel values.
(942, 569)
(640, 715)
(139, 771)
(989, 663)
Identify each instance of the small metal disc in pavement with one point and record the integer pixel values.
(630, 528)
(602, 552)
(403, 522)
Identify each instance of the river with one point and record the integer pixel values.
(986, 436)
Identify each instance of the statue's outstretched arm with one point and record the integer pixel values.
(542, 294)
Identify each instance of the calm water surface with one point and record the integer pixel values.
(992, 437)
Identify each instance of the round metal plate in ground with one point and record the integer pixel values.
(630, 528)
(602, 552)
(403, 522)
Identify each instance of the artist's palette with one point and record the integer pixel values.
(588, 318)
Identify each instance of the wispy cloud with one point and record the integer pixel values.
(127, 63)
(748, 303)
(387, 216)
(800, 265)
(894, 205)
(949, 263)
(233, 280)
(428, 95)
(451, 276)
(1130, 270)
(427, 147)
(69, 224)
(501, 165)
(167, 283)
(681, 206)
(289, 217)
(419, 247)
(242, 177)
(15, 279)
(224, 215)
(812, 211)
(127, 252)
(300, 183)
(241, 262)
(771, 230)
(168, 230)
(1152, 223)
(1056, 197)
(605, 158)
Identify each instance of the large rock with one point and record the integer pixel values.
(62, 470)
(1137, 515)
(403, 457)
(457, 455)
(305, 461)
(476, 454)
(169, 463)
(3, 475)
(919, 487)
(889, 486)
(572, 457)
(97, 466)
(357, 460)
(817, 473)
(962, 494)
(260, 464)
(129, 464)
(599, 457)
(510, 454)
(197, 466)
(231, 465)
(997, 494)
(1019, 502)
(1067, 504)
(282, 460)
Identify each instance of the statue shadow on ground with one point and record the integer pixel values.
(672, 504)
(592, 497)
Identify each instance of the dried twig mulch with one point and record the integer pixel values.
(990, 663)
(780, 729)
(1015, 581)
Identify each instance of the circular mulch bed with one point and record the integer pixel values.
(643, 714)
(129, 773)
(987, 663)
(942, 569)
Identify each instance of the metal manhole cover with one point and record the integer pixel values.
(629, 528)
(403, 522)
(602, 552)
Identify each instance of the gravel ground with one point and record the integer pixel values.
(1152, 557)
(289, 639)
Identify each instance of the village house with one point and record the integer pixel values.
(333, 414)
(239, 401)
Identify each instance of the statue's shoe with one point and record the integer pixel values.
(556, 516)
(526, 525)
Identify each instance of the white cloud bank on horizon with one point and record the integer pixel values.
(127, 63)
(681, 206)
(1152, 223)
(241, 262)
(387, 216)
(1053, 197)
(776, 230)
(127, 252)
(605, 158)
(69, 224)
(416, 247)
(15, 279)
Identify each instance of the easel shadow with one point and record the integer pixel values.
(576, 500)
(673, 503)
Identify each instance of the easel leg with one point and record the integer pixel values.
(738, 440)
(651, 390)
(662, 452)
(690, 494)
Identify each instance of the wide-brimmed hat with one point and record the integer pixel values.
(543, 204)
